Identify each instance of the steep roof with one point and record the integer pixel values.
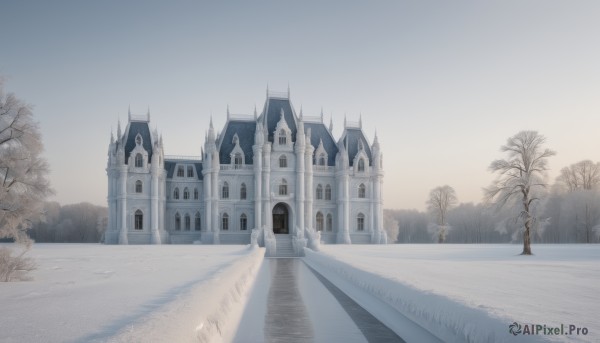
(170, 167)
(272, 113)
(245, 131)
(143, 129)
(351, 138)
(319, 132)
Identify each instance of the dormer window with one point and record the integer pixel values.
(190, 171)
(282, 137)
(361, 165)
(180, 171)
(139, 160)
(238, 160)
(322, 160)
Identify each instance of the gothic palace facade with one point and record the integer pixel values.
(278, 171)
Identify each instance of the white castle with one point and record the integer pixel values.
(280, 173)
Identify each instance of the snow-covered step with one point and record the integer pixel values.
(284, 247)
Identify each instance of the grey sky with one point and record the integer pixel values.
(443, 82)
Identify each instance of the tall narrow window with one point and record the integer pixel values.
(177, 221)
(322, 160)
(362, 191)
(188, 223)
(139, 160)
(319, 221)
(282, 137)
(361, 165)
(225, 222)
(243, 222)
(243, 191)
(282, 161)
(225, 191)
(176, 193)
(195, 193)
(360, 222)
(238, 160)
(138, 186)
(197, 222)
(319, 192)
(283, 187)
(329, 224)
(190, 172)
(180, 171)
(186, 194)
(139, 220)
(328, 192)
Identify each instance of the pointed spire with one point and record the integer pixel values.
(255, 114)
(344, 120)
(288, 90)
(227, 111)
(112, 137)
(211, 124)
(160, 140)
(267, 90)
(360, 120)
(375, 140)
(331, 124)
(119, 129)
(282, 113)
(301, 115)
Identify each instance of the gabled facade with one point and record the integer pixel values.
(278, 171)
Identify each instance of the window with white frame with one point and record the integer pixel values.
(319, 221)
(197, 222)
(190, 171)
(188, 222)
(225, 191)
(238, 160)
(360, 222)
(322, 161)
(362, 191)
(282, 137)
(282, 161)
(243, 191)
(361, 165)
(138, 186)
(195, 193)
(328, 192)
(225, 222)
(283, 187)
(186, 194)
(176, 193)
(329, 223)
(180, 171)
(139, 220)
(139, 160)
(319, 192)
(243, 222)
(177, 221)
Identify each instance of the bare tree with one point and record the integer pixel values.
(23, 181)
(522, 176)
(583, 175)
(441, 200)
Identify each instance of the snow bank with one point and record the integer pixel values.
(473, 293)
(202, 313)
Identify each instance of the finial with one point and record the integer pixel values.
(344, 120)
(211, 124)
(267, 89)
(301, 112)
(148, 113)
(119, 129)
(129, 112)
(288, 90)
(228, 111)
(255, 112)
(331, 123)
(282, 113)
(360, 120)
(321, 114)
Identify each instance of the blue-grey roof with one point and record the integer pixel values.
(273, 113)
(170, 167)
(351, 139)
(245, 131)
(319, 132)
(143, 129)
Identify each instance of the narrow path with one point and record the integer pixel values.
(292, 303)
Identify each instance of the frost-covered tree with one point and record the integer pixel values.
(441, 200)
(583, 175)
(521, 178)
(23, 172)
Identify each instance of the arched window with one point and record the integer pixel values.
(282, 137)
(139, 160)
(322, 160)
(138, 186)
(177, 221)
(360, 222)
(180, 171)
(186, 194)
(197, 222)
(361, 165)
(190, 172)
(319, 192)
(238, 160)
(188, 223)
(195, 193)
(282, 161)
(319, 221)
(328, 192)
(139, 220)
(176, 193)
(283, 187)
(362, 191)
(329, 224)
(225, 191)
(243, 222)
(243, 191)
(225, 222)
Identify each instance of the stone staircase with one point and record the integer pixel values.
(284, 246)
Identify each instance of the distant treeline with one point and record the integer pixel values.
(76, 223)
(563, 217)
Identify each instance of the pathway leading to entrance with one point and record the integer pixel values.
(292, 303)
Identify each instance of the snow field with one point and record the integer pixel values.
(471, 293)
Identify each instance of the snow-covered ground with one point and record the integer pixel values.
(90, 292)
(474, 292)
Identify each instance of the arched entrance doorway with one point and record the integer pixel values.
(281, 219)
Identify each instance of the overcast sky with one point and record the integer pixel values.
(444, 83)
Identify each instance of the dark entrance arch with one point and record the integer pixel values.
(281, 219)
